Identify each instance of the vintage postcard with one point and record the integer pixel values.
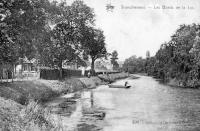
(99, 65)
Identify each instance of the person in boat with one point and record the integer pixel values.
(89, 74)
(126, 84)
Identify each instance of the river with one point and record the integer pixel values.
(147, 106)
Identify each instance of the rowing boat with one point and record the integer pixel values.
(118, 86)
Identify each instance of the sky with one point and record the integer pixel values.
(133, 31)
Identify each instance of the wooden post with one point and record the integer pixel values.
(1, 73)
(7, 75)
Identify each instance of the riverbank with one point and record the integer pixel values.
(19, 108)
(113, 77)
(182, 84)
(32, 117)
(43, 90)
(19, 100)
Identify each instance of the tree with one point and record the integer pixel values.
(151, 66)
(134, 64)
(22, 22)
(179, 58)
(94, 45)
(25, 21)
(50, 31)
(8, 49)
(63, 44)
(114, 57)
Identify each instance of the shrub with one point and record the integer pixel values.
(37, 118)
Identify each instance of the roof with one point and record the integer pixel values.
(26, 60)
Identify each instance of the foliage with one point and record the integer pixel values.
(52, 32)
(63, 43)
(134, 64)
(94, 44)
(114, 57)
(179, 58)
(22, 21)
(26, 29)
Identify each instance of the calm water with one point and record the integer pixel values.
(147, 106)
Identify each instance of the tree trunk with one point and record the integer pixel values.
(61, 74)
(21, 71)
(60, 70)
(13, 70)
(92, 67)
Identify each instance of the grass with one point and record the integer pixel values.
(37, 118)
(113, 77)
(23, 91)
(44, 90)
(92, 82)
(33, 117)
(9, 118)
(20, 102)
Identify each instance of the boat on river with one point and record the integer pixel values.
(119, 86)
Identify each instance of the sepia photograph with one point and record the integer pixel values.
(99, 65)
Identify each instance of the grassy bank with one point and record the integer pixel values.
(92, 82)
(133, 77)
(20, 102)
(33, 117)
(44, 90)
(23, 91)
(113, 77)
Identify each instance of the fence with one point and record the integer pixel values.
(54, 74)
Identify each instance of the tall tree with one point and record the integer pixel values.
(22, 22)
(94, 45)
(114, 57)
(25, 20)
(64, 47)
(63, 42)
